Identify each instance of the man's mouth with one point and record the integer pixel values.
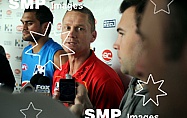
(71, 43)
(25, 32)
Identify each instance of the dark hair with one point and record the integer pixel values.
(87, 11)
(175, 34)
(140, 6)
(43, 14)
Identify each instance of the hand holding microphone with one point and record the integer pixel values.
(81, 100)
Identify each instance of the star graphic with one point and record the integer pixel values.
(150, 99)
(28, 108)
(49, 61)
(168, 9)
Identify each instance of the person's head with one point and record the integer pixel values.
(2, 51)
(128, 43)
(81, 25)
(165, 52)
(36, 20)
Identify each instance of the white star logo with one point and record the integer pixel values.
(168, 9)
(28, 108)
(27, 52)
(150, 99)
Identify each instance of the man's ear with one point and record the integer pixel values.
(94, 35)
(45, 26)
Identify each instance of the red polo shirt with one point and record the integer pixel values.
(104, 86)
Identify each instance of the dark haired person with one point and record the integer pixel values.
(2, 50)
(7, 80)
(165, 55)
(36, 55)
(105, 89)
(129, 47)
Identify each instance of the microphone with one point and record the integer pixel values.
(34, 79)
(38, 83)
(43, 86)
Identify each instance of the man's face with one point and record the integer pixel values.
(80, 35)
(30, 23)
(128, 43)
(152, 29)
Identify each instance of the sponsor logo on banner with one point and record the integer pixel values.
(17, 71)
(19, 43)
(1, 13)
(8, 43)
(19, 29)
(59, 26)
(80, 0)
(107, 57)
(19, 14)
(8, 56)
(18, 58)
(8, 12)
(8, 28)
(109, 23)
(24, 67)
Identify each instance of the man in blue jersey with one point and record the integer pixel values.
(36, 56)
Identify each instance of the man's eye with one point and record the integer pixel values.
(80, 29)
(67, 28)
(121, 34)
(29, 23)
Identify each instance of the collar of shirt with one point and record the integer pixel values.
(84, 69)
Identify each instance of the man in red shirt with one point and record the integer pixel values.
(104, 86)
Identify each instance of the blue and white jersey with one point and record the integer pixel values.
(35, 63)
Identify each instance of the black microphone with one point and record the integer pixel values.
(44, 80)
(34, 79)
(43, 86)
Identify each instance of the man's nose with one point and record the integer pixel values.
(25, 27)
(116, 45)
(72, 33)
